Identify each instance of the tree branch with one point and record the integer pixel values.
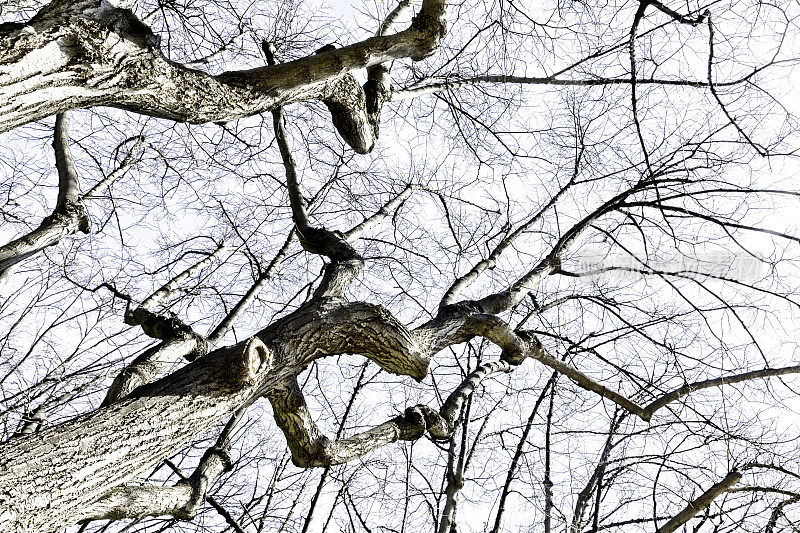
(133, 74)
(401, 8)
(216, 336)
(701, 503)
(327, 328)
(452, 328)
(69, 215)
(718, 382)
(181, 501)
(368, 223)
(311, 448)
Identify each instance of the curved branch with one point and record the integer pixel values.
(356, 328)
(69, 215)
(311, 448)
(133, 74)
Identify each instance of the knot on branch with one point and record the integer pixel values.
(347, 104)
(337, 277)
(464, 308)
(531, 347)
(126, 381)
(430, 27)
(246, 361)
(201, 348)
(217, 453)
(411, 424)
(554, 264)
(377, 90)
(416, 420)
(325, 242)
(71, 212)
(128, 26)
(158, 326)
(355, 110)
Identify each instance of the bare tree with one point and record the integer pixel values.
(560, 234)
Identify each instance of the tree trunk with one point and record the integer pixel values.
(48, 478)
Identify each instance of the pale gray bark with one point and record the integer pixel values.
(69, 215)
(311, 448)
(180, 501)
(86, 53)
(47, 479)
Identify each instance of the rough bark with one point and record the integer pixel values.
(87, 53)
(48, 479)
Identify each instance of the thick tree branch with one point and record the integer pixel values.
(132, 73)
(140, 501)
(701, 503)
(311, 448)
(181, 501)
(326, 328)
(188, 401)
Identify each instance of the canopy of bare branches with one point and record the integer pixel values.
(400, 267)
